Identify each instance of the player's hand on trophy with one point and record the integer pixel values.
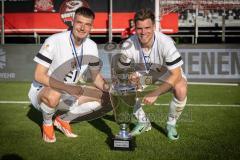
(150, 98)
(106, 87)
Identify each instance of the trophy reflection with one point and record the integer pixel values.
(123, 98)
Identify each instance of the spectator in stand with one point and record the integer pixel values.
(128, 31)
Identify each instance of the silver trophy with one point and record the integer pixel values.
(123, 99)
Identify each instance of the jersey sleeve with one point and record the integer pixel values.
(45, 54)
(173, 58)
(94, 60)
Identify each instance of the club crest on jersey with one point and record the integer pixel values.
(45, 47)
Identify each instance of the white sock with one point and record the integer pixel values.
(85, 107)
(172, 121)
(139, 113)
(175, 109)
(80, 110)
(47, 113)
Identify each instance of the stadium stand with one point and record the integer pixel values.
(219, 19)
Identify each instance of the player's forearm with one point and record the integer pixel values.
(51, 82)
(99, 81)
(163, 88)
(41, 76)
(58, 84)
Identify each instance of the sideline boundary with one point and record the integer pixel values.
(213, 84)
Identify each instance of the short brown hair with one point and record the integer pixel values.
(143, 14)
(86, 12)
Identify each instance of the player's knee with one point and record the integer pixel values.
(180, 92)
(51, 99)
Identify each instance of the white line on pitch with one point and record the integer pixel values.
(204, 105)
(214, 84)
(14, 102)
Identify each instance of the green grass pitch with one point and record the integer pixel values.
(206, 132)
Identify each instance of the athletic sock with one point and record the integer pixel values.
(175, 110)
(80, 110)
(139, 113)
(47, 113)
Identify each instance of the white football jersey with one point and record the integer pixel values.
(57, 54)
(163, 52)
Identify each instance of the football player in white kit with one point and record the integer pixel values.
(155, 51)
(62, 60)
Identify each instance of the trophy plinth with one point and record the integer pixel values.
(123, 100)
(123, 140)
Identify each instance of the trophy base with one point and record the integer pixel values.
(123, 144)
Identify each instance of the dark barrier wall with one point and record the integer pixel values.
(203, 63)
(16, 62)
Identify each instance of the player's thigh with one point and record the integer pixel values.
(49, 96)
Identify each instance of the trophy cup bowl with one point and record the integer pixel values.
(123, 98)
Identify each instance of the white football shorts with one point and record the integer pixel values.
(33, 93)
